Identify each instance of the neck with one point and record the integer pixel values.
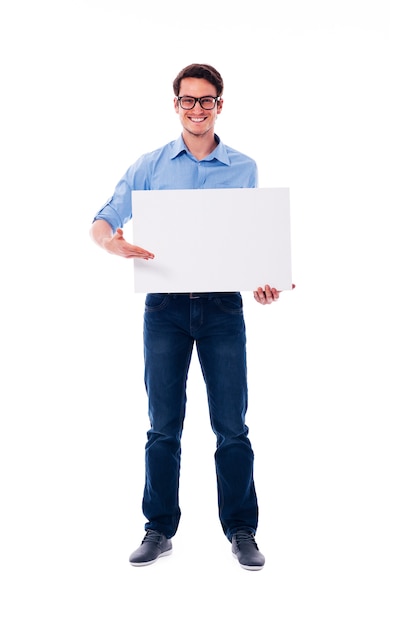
(200, 146)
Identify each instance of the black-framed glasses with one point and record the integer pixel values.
(206, 102)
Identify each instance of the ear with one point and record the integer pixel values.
(176, 105)
(220, 105)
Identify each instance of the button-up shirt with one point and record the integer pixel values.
(174, 167)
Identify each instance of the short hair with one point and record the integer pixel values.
(199, 70)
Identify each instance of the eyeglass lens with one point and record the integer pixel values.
(206, 102)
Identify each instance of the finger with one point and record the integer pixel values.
(259, 295)
(141, 253)
(146, 253)
(271, 294)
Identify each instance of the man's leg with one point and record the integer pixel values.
(167, 351)
(221, 348)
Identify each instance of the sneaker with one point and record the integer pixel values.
(246, 551)
(153, 546)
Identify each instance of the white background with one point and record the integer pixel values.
(321, 95)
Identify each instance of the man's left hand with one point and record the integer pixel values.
(267, 294)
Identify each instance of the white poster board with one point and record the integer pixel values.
(212, 239)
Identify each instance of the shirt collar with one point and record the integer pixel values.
(219, 152)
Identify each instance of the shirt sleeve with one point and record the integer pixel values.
(118, 208)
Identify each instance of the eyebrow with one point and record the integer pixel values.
(206, 96)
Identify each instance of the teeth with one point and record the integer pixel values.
(197, 119)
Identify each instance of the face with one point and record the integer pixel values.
(197, 121)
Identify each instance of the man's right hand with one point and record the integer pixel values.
(101, 232)
(117, 244)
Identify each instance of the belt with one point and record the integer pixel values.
(207, 294)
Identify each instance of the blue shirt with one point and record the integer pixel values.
(174, 167)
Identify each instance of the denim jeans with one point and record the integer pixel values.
(214, 322)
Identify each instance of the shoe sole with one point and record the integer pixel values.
(166, 553)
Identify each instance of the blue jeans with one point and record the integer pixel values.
(215, 323)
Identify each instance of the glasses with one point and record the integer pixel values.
(206, 102)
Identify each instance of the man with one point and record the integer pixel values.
(174, 322)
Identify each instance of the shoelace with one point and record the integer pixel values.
(244, 537)
(152, 535)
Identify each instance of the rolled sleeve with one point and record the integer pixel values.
(118, 209)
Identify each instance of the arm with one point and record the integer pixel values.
(102, 234)
(267, 294)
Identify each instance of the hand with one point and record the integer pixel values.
(117, 244)
(267, 295)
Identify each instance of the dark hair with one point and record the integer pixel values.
(199, 70)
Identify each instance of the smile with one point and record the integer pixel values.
(197, 119)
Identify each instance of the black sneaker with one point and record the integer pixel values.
(246, 551)
(153, 546)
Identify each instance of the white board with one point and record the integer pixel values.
(212, 239)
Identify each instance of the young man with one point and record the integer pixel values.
(174, 322)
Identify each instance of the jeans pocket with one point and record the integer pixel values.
(156, 302)
(230, 303)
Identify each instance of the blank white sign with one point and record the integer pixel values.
(212, 239)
